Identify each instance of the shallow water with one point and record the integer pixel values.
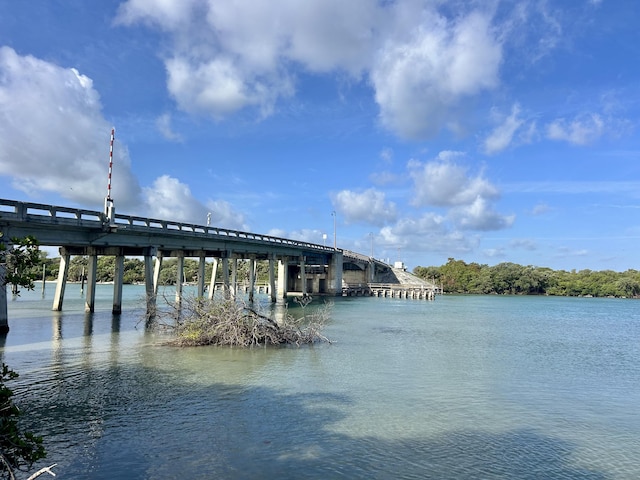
(464, 387)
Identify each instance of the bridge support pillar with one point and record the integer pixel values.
(234, 277)
(252, 277)
(61, 284)
(156, 273)
(272, 279)
(283, 265)
(150, 282)
(303, 275)
(118, 277)
(212, 283)
(179, 278)
(335, 273)
(201, 265)
(225, 277)
(90, 302)
(4, 313)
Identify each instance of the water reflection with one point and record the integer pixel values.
(408, 390)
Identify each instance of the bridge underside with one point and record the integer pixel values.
(299, 275)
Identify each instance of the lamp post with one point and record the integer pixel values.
(335, 243)
(324, 239)
(371, 235)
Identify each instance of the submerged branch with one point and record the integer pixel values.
(231, 322)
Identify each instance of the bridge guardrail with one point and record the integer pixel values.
(28, 211)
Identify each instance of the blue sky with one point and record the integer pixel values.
(487, 131)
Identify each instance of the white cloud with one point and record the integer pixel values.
(387, 155)
(524, 243)
(168, 198)
(540, 209)
(53, 136)
(163, 123)
(167, 14)
(502, 136)
(444, 183)
(419, 80)
(223, 214)
(494, 252)
(479, 215)
(581, 130)
(427, 233)
(369, 206)
(227, 56)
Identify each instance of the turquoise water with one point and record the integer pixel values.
(465, 387)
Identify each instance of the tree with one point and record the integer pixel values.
(18, 450)
(18, 260)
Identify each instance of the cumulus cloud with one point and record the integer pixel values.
(445, 183)
(54, 139)
(467, 198)
(582, 130)
(369, 206)
(420, 79)
(52, 122)
(227, 56)
(428, 233)
(479, 215)
(169, 198)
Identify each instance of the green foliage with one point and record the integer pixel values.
(18, 449)
(19, 260)
(457, 276)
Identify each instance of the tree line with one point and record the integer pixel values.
(457, 276)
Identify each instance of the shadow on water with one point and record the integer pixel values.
(135, 422)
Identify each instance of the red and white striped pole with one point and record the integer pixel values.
(108, 202)
(113, 134)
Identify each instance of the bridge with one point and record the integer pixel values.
(302, 267)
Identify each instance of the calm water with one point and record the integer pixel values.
(464, 387)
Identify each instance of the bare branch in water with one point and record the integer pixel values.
(233, 322)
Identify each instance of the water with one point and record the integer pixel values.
(465, 387)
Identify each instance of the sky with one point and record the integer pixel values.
(414, 130)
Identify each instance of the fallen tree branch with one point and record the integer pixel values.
(43, 470)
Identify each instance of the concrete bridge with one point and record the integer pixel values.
(302, 267)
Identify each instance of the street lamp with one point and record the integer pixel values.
(371, 235)
(324, 239)
(335, 243)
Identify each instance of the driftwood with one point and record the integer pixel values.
(43, 470)
(231, 322)
(9, 470)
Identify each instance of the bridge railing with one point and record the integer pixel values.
(27, 211)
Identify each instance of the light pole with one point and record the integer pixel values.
(324, 239)
(208, 219)
(335, 243)
(371, 235)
